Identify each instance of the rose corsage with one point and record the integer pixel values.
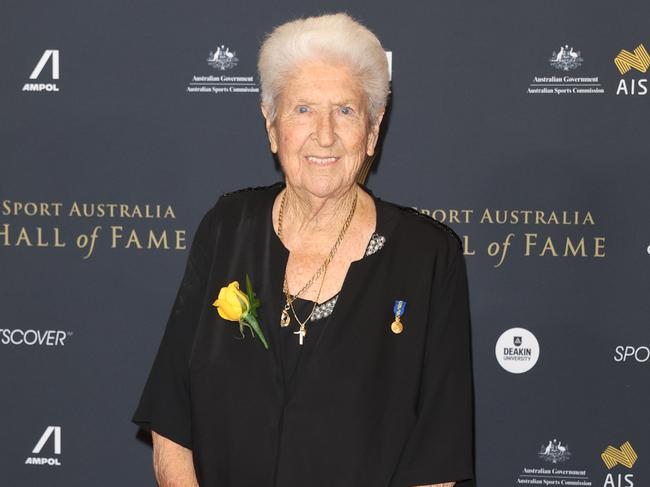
(234, 305)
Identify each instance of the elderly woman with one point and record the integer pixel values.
(320, 335)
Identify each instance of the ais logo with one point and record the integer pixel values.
(638, 60)
(52, 433)
(612, 457)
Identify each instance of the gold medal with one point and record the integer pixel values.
(396, 326)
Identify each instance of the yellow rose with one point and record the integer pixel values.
(232, 304)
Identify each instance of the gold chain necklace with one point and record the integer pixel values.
(302, 332)
(285, 319)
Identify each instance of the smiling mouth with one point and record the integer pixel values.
(322, 161)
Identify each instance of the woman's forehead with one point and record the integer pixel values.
(320, 82)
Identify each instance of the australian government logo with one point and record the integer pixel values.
(556, 469)
(566, 59)
(223, 58)
(554, 451)
(224, 76)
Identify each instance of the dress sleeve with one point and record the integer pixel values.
(440, 447)
(164, 406)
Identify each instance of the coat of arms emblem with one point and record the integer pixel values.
(223, 58)
(566, 58)
(554, 452)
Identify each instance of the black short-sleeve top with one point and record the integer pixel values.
(365, 406)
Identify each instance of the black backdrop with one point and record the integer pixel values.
(512, 116)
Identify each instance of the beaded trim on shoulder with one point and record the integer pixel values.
(376, 242)
(324, 309)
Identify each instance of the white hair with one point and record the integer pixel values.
(334, 38)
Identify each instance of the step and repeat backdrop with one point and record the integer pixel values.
(524, 126)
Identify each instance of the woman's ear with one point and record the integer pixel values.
(373, 136)
(271, 131)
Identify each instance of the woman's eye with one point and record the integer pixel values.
(303, 109)
(346, 110)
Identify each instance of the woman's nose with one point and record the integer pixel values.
(325, 130)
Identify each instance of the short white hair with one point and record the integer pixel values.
(334, 38)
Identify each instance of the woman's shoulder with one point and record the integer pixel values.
(234, 206)
(253, 199)
(422, 234)
(252, 192)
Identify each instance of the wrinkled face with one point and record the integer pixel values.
(321, 132)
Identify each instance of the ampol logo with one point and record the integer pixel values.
(48, 54)
(53, 432)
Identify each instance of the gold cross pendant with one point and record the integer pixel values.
(302, 332)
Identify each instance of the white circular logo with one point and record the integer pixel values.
(517, 350)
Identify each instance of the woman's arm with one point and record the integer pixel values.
(172, 463)
(446, 484)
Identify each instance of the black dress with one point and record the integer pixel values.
(364, 406)
(293, 354)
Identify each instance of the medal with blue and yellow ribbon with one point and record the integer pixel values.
(398, 308)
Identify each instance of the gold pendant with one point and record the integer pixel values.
(285, 319)
(396, 326)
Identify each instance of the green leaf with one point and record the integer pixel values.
(257, 329)
(252, 299)
(249, 288)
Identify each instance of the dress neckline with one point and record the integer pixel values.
(379, 229)
(372, 241)
(280, 185)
